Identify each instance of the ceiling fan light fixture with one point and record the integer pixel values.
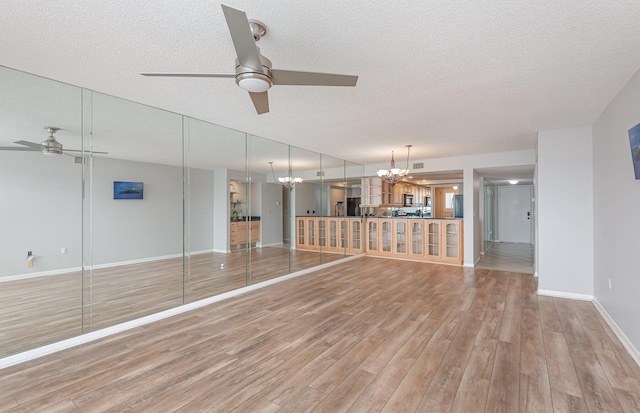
(254, 82)
(51, 146)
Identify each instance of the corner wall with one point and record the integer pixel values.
(565, 212)
(616, 206)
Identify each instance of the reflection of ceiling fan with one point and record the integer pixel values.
(253, 71)
(49, 147)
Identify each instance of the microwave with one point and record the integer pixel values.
(408, 200)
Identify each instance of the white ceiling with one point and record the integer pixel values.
(450, 77)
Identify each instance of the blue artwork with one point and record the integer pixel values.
(634, 140)
(127, 190)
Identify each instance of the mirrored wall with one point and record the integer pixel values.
(145, 210)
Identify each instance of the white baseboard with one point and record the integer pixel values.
(633, 351)
(274, 244)
(561, 294)
(38, 274)
(96, 267)
(95, 335)
(136, 261)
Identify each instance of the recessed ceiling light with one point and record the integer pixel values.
(513, 181)
(455, 187)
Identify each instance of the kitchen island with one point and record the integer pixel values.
(421, 239)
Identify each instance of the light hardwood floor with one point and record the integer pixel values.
(369, 335)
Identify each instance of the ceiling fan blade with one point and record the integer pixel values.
(190, 74)
(13, 148)
(242, 37)
(87, 152)
(35, 146)
(260, 101)
(291, 77)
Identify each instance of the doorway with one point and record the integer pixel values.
(443, 205)
(515, 210)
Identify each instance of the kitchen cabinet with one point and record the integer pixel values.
(417, 239)
(355, 236)
(330, 234)
(243, 232)
(372, 235)
(306, 233)
(400, 237)
(444, 241)
(378, 193)
(386, 236)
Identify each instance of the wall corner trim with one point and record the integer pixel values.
(633, 351)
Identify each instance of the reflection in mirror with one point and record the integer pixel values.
(215, 160)
(155, 210)
(133, 251)
(40, 213)
(306, 204)
(269, 228)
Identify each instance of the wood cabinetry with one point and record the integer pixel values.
(444, 241)
(416, 238)
(378, 193)
(243, 232)
(330, 234)
(428, 239)
(355, 245)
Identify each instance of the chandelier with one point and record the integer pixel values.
(288, 182)
(393, 174)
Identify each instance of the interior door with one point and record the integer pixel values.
(515, 213)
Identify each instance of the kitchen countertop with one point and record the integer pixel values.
(243, 219)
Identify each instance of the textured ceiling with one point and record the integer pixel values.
(450, 77)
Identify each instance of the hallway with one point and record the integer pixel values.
(507, 256)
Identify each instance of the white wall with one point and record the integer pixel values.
(616, 218)
(132, 229)
(44, 212)
(565, 212)
(40, 211)
(200, 217)
(477, 227)
(271, 219)
(221, 209)
(305, 200)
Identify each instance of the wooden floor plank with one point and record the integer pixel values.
(504, 389)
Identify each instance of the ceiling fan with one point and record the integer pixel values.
(48, 147)
(253, 71)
